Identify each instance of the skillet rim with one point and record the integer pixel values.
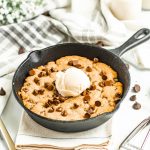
(72, 121)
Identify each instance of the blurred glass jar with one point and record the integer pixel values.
(126, 9)
(146, 4)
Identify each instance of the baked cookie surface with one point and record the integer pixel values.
(39, 93)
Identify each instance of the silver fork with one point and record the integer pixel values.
(6, 136)
(127, 146)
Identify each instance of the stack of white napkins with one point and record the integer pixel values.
(31, 135)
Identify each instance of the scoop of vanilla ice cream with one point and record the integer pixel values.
(72, 82)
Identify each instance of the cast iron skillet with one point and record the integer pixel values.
(52, 53)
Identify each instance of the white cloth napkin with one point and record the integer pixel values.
(31, 133)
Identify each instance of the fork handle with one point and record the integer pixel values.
(6, 136)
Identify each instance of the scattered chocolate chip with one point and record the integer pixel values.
(70, 63)
(101, 84)
(49, 86)
(35, 92)
(97, 103)
(31, 72)
(21, 50)
(48, 72)
(108, 83)
(36, 80)
(87, 115)
(104, 77)
(42, 74)
(64, 113)
(95, 60)
(51, 109)
(75, 106)
(62, 99)
(87, 97)
(84, 93)
(59, 109)
(46, 105)
(93, 87)
(41, 91)
(56, 102)
(133, 98)
(89, 69)
(2, 92)
(53, 69)
(136, 88)
(136, 106)
(50, 102)
(78, 66)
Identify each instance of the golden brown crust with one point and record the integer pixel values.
(40, 96)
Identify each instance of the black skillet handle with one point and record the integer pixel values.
(139, 37)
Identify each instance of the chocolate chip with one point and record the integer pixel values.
(70, 63)
(78, 66)
(136, 106)
(50, 102)
(87, 97)
(95, 60)
(35, 92)
(64, 113)
(84, 93)
(133, 98)
(51, 109)
(46, 105)
(93, 87)
(108, 83)
(2, 92)
(75, 105)
(41, 91)
(31, 72)
(42, 74)
(53, 69)
(136, 88)
(59, 109)
(21, 50)
(49, 86)
(89, 69)
(97, 103)
(36, 80)
(87, 115)
(56, 102)
(101, 84)
(104, 77)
